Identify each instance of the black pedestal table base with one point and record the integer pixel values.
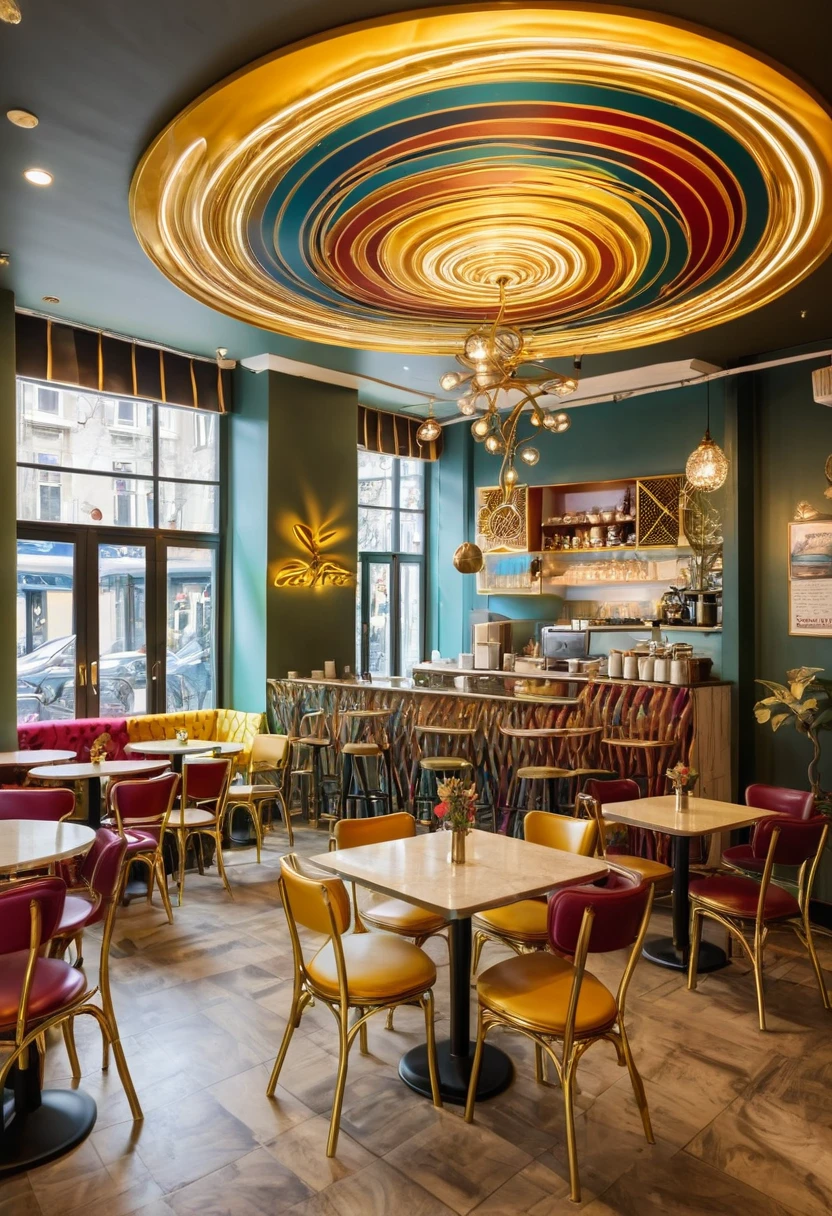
(38, 1126)
(496, 1072)
(662, 951)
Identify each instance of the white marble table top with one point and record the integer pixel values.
(497, 870)
(29, 758)
(27, 843)
(88, 770)
(172, 747)
(703, 816)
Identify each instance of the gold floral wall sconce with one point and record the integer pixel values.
(317, 570)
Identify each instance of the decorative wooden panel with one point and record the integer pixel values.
(657, 510)
(502, 527)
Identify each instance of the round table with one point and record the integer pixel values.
(178, 751)
(45, 1124)
(93, 773)
(28, 759)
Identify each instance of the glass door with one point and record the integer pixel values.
(190, 627)
(118, 629)
(377, 656)
(49, 677)
(390, 613)
(411, 615)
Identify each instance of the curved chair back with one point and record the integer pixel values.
(101, 869)
(145, 804)
(268, 752)
(206, 781)
(617, 907)
(319, 904)
(799, 804)
(624, 789)
(351, 833)
(560, 832)
(45, 805)
(796, 840)
(314, 725)
(24, 926)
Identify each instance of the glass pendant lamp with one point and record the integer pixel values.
(707, 466)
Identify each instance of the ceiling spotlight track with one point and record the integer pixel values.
(492, 356)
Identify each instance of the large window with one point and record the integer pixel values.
(391, 572)
(118, 503)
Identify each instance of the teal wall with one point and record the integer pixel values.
(292, 460)
(8, 528)
(246, 544)
(450, 517)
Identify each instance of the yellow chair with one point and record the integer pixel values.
(551, 997)
(201, 812)
(655, 872)
(522, 925)
(366, 972)
(270, 756)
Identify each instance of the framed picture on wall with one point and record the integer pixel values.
(810, 579)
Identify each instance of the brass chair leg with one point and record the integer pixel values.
(340, 1085)
(294, 1021)
(68, 1031)
(162, 883)
(149, 884)
(430, 1044)
(695, 939)
(388, 1025)
(287, 818)
(813, 955)
(638, 1086)
(182, 842)
(475, 1068)
(479, 941)
(539, 1065)
(571, 1142)
(363, 1046)
(757, 960)
(220, 863)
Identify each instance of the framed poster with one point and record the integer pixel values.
(810, 579)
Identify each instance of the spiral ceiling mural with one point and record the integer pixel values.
(633, 180)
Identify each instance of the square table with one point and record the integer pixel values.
(497, 870)
(703, 817)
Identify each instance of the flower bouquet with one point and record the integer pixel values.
(457, 811)
(100, 748)
(683, 778)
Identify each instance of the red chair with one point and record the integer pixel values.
(102, 871)
(141, 810)
(201, 813)
(551, 997)
(48, 806)
(735, 901)
(36, 993)
(625, 789)
(798, 804)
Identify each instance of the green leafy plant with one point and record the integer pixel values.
(809, 714)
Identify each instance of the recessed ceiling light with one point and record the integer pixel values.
(405, 369)
(5, 258)
(38, 177)
(22, 118)
(51, 299)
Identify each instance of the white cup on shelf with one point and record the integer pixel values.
(329, 669)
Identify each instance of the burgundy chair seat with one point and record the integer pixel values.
(77, 911)
(742, 855)
(139, 840)
(738, 896)
(55, 986)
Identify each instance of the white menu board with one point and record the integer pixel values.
(810, 579)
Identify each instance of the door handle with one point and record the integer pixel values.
(155, 669)
(94, 676)
(82, 675)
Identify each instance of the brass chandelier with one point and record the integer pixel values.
(492, 356)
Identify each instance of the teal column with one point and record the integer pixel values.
(451, 594)
(8, 528)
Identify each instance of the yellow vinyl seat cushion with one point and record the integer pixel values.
(398, 916)
(442, 764)
(539, 772)
(535, 988)
(362, 749)
(651, 871)
(524, 920)
(380, 968)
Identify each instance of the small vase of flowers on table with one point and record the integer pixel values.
(457, 811)
(683, 778)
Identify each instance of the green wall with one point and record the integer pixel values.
(292, 460)
(8, 527)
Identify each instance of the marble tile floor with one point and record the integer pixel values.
(743, 1120)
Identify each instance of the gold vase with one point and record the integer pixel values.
(458, 846)
(681, 798)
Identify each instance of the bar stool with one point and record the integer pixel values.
(542, 743)
(312, 742)
(372, 744)
(429, 768)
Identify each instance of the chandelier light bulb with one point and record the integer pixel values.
(450, 381)
(562, 422)
(430, 429)
(481, 428)
(510, 475)
(468, 405)
(530, 455)
(549, 421)
(707, 466)
(476, 348)
(494, 444)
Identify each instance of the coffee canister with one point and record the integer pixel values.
(615, 666)
(661, 669)
(646, 667)
(630, 667)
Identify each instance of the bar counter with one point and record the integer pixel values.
(645, 727)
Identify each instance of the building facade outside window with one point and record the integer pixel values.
(390, 599)
(118, 504)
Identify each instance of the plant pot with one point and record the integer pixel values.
(458, 846)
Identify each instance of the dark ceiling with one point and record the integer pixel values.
(103, 78)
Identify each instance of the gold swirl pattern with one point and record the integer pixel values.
(631, 180)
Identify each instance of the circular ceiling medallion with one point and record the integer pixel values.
(633, 180)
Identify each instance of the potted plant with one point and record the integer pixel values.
(809, 714)
(457, 811)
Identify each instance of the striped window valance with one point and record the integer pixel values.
(67, 354)
(394, 435)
